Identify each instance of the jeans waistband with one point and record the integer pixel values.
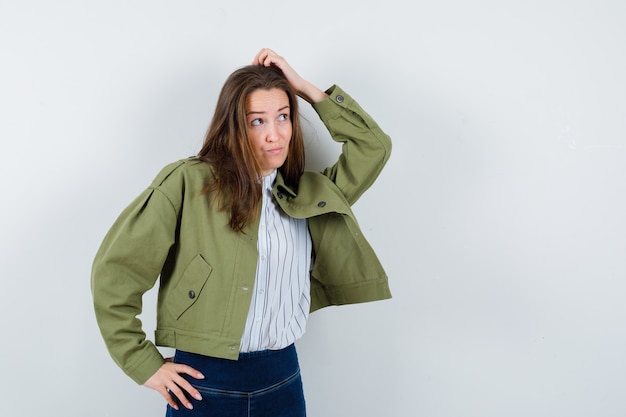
(253, 371)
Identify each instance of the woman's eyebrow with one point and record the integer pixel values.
(263, 112)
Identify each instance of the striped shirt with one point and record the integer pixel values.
(281, 298)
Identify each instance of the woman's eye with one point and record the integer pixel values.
(283, 117)
(256, 122)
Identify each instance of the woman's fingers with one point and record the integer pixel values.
(167, 380)
(176, 390)
(303, 88)
(267, 57)
(183, 383)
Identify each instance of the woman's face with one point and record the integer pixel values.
(268, 125)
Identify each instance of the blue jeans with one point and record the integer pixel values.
(259, 384)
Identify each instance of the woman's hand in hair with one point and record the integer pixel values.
(305, 89)
(167, 380)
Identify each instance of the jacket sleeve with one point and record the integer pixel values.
(127, 264)
(365, 147)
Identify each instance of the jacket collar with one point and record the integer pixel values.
(282, 187)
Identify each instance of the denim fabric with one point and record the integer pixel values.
(259, 384)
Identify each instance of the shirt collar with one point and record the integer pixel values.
(268, 181)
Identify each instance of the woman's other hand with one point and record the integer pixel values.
(167, 380)
(305, 89)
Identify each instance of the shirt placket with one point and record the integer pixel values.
(263, 259)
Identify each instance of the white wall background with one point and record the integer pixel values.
(500, 217)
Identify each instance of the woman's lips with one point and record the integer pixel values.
(275, 151)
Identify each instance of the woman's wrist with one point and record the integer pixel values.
(311, 93)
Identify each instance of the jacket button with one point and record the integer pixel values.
(321, 204)
(339, 99)
(191, 294)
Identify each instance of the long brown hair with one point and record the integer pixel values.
(237, 187)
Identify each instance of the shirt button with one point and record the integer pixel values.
(321, 204)
(339, 99)
(191, 294)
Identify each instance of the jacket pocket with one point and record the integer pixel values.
(188, 289)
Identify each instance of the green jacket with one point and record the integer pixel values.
(207, 271)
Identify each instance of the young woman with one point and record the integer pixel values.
(245, 244)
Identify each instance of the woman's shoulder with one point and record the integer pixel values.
(183, 170)
(312, 180)
(186, 168)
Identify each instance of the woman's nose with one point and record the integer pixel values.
(272, 133)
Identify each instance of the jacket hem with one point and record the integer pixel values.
(202, 344)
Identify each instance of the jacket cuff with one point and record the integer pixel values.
(337, 101)
(146, 368)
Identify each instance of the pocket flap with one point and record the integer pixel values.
(188, 289)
